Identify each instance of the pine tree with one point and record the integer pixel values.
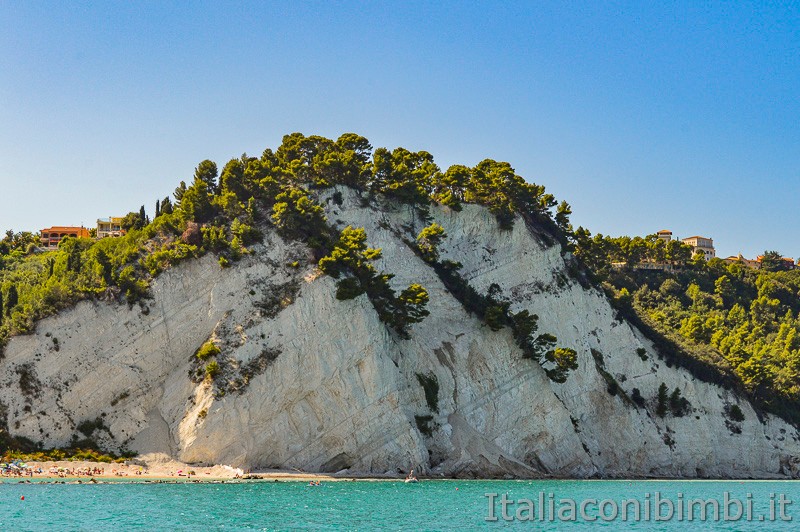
(428, 241)
(105, 265)
(166, 206)
(562, 217)
(677, 403)
(74, 260)
(661, 407)
(12, 298)
(195, 203)
(206, 172)
(179, 191)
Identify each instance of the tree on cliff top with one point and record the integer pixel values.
(772, 261)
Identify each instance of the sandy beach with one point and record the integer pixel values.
(161, 467)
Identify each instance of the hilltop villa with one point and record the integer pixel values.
(756, 264)
(665, 235)
(106, 227)
(701, 244)
(53, 235)
(111, 226)
(740, 259)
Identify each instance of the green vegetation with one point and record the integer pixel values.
(350, 255)
(212, 369)
(425, 424)
(725, 322)
(88, 427)
(430, 385)
(208, 349)
(21, 448)
(599, 252)
(678, 405)
(36, 285)
(612, 386)
(661, 400)
(428, 242)
(229, 375)
(494, 311)
(564, 359)
(73, 454)
(219, 212)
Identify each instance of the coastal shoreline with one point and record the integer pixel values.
(161, 468)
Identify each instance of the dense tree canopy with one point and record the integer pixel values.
(740, 324)
(280, 188)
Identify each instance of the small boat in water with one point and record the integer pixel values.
(411, 477)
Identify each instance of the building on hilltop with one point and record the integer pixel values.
(51, 236)
(789, 263)
(739, 259)
(111, 226)
(664, 235)
(701, 244)
(756, 263)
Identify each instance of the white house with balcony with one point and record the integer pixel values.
(701, 244)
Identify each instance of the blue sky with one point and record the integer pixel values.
(641, 115)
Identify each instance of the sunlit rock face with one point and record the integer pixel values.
(314, 383)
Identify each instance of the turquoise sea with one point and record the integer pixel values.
(382, 505)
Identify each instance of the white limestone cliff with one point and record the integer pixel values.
(323, 385)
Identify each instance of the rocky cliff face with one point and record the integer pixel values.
(318, 384)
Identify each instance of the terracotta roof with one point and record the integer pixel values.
(64, 228)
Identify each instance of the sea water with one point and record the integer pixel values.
(387, 505)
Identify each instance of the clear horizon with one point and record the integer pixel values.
(680, 116)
